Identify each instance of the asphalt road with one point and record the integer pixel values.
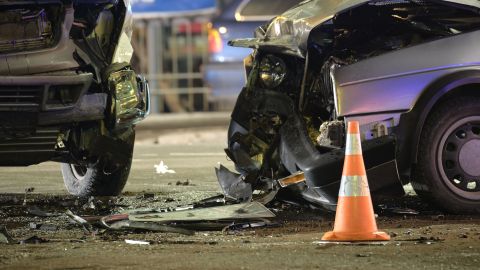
(193, 153)
(430, 240)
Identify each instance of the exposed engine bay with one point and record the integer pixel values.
(288, 118)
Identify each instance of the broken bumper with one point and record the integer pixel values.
(322, 171)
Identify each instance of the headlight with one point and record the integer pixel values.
(272, 71)
(131, 98)
(280, 26)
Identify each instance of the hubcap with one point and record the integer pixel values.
(469, 157)
(460, 157)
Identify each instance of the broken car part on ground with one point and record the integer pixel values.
(407, 70)
(67, 91)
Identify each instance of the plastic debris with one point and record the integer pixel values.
(136, 242)
(252, 210)
(148, 226)
(233, 185)
(162, 168)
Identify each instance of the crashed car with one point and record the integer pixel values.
(407, 70)
(67, 91)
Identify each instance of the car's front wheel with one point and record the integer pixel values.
(448, 169)
(104, 177)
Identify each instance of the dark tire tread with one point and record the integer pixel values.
(425, 181)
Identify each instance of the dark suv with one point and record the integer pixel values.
(67, 91)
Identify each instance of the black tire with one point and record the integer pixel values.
(448, 169)
(101, 178)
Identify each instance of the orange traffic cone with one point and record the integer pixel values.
(354, 220)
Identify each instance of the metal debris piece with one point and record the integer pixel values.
(217, 200)
(85, 225)
(233, 185)
(249, 225)
(252, 210)
(33, 240)
(76, 218)
(148, 226)
(5, 237)
(136, 242)
(162, 168)
(397, 210)
(35, 211)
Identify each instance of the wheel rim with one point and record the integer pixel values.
(79, 171)
(459, 158)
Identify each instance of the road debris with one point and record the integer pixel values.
(252, 210)
(162, 168)
(136, 242)
(5, 237)
(27, 191)
(36, 211)
(233, 185)
(250, 225)
(366, 243)
(363, 255)
(183, 183)
(146, 196)
(33, 240)
(85, 225)
(148, 226)
(388, 210)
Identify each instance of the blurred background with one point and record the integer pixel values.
(181, 48)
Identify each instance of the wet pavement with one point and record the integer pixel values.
(422, 237)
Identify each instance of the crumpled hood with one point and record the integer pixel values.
(289, 32)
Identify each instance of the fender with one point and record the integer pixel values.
(414, 120)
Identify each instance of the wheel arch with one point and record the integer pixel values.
(444, 88)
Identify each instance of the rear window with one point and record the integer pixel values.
(263, 9)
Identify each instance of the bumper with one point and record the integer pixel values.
(51, 100)
(42, 93)
(323, 171)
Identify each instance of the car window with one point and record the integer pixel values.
(262, 10)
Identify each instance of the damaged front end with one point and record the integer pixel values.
(290, 118)
(68, 92)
